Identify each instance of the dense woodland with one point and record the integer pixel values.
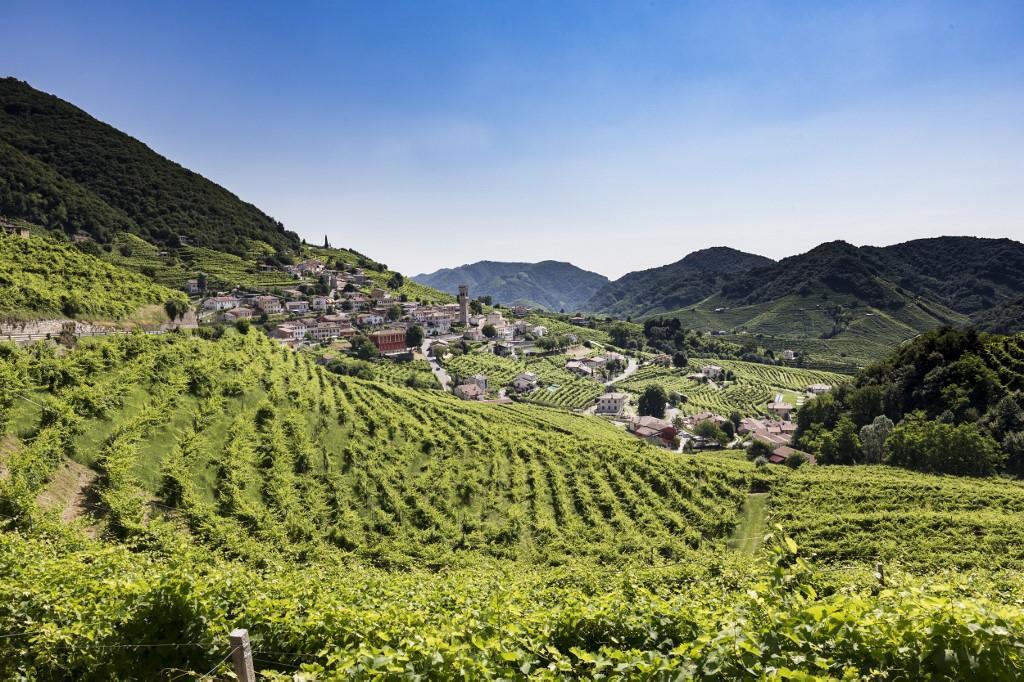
(950, 402)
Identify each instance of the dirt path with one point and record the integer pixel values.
(749, 533)
(69, 490)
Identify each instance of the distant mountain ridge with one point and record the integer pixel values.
(63, 169)
(687, 281)
(554, 285)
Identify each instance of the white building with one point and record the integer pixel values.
(297, 306)
(611, 403)
(221, 303)
(711, 371)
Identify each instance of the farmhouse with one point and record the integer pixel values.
(818, 389)
(662, 360)
(192, 287)
(320, 303)
(788, 355)
(611, 403)
(780, 409)
(297, 306)
(469, 392)
(221, 303)
(711, 371)
(239, 313)
(525, 382)
(268, 304)
(653, 430)
(504, 350)
(579, 368)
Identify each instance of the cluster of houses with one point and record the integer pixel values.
(592, 367)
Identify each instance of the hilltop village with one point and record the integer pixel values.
(478, 351)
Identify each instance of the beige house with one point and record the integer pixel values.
(611, 403)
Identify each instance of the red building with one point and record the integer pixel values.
(389, 340)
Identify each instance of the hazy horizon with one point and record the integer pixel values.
(614, 136)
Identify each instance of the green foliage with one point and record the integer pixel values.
(925, 445)
(652, 401)
(752, 387)
(63, 169)
(958, 378)
(42, 277)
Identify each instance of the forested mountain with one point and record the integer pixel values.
(1005, 318)
(549, 284)
(843, 305)
(62, 168)
(658, 290)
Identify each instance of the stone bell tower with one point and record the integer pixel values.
(464, 304)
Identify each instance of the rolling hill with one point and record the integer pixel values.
(63, 169)
(658, 290)
(842, 305)
(158, 492)
(549, 284)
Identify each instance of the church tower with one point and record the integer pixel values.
(464, 304)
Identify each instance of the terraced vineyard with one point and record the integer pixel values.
(1005, 354)
(240, 434)
(559, 387)
(242, 484)
(755, 385)
(172, 270)
(42, 277)
(923, 522)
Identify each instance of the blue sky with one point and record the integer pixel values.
(615, 135)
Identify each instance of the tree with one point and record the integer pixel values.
(476, 307)
(841, 445)
(652, 401)
(489, 331)
(735, 417)
(9, 383)
(625, 335)
(414, 336)
(709, 430)
(363, 348)
(396, 281)
(679, 359)
(872, 439)
(926, 445)
(759, 449)
(394, 312)
(242, 326)
(201, 281)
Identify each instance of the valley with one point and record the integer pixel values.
(724, 468)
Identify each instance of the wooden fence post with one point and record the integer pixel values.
(241, 655)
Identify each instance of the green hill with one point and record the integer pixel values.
(659, 290)
(42, 277)
(61, 168)
(548, 284)
(158, 492)
(948, 402)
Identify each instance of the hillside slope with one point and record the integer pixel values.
(62, 168)
(548, 284)
(658, 290)
(41, 277)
